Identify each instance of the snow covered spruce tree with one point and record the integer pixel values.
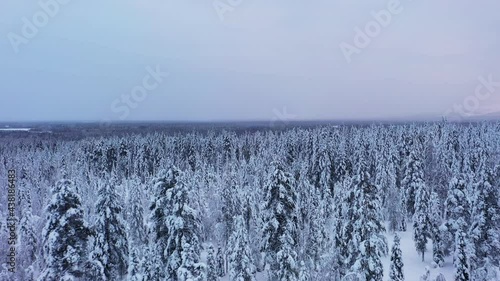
(488, 272)
(385, 178)
(458, 210)
(326, 169)
(211, 265)
(396, 271)
(65, 235)
(280, 225)
(368, 244)
(28, 238)
(342, 225)
(421, 220)
(458, 207)
(287, 265)
(158, 230)
(413, 178)
(485, 228)
(241, 266)
(135, 215)
(221, 263)
(134, 269)
(461, 258)
(230, 204)
(184, 226)
(304, 272)
(396, 210)
(318, 238)
(175, 226)
(149, 269)
(111, 243)
(435, 230)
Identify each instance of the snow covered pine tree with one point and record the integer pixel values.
(421, 220)
(211, 265)
(461, 259)
(280, 225)
(111, 243)
(175, 227)
(369, 244)
(241, 266)
(396, 273)
(65, 235)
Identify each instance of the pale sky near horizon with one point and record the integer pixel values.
(263, 59)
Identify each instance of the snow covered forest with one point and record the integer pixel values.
(367, 203)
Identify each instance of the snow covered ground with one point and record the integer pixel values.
(414, 268)
(15, 129)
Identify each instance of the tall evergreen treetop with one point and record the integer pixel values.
(241, 266)
(65, 235)
(457, 204)
(461, 258)
(485, 228)
(396, 272)
(413, 178)
(111, 234)
(421, 220)
(369, 244)
(280, 220)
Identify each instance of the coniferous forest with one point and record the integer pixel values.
(350, 202)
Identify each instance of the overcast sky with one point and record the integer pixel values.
(255, 60)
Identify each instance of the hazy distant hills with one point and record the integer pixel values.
(489, 116)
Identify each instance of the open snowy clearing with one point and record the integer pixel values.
(414, 268)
